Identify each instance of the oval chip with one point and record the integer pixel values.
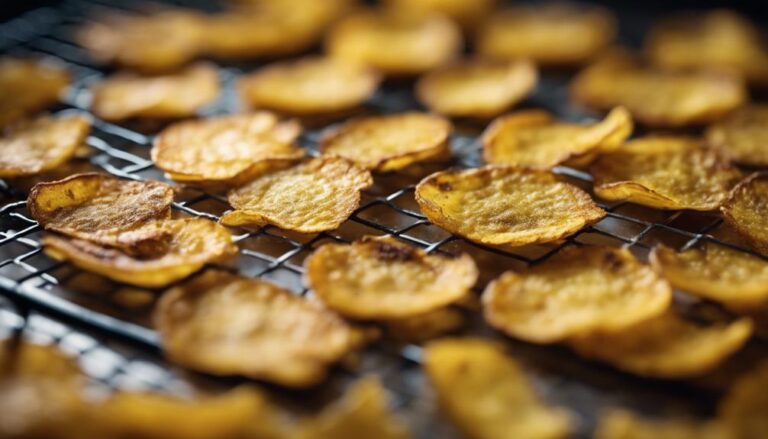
(28, 86)
(743, 135)
(746, 210)
(743, 409)
(383, 278)
(505, 205)
(621, 424)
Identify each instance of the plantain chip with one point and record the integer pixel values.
(746, 210)
(667, 346)
(425, 326)
(743, 409)
(505, 205)
(486, 394)
(41, 145)
(621, 424)
(665, 172)
(467, 14)
(225, 324)
(743, 135)
(395, 43)
(533, 138)
(388, 143)
(312, 197)
(28, 86)
(383, 278)
(174, 95)
(309, 86)
(476, 88)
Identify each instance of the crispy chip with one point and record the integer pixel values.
(41, 145)
(28, 86)
(621, 424)
(383, 278)
(425, 326)
(533, 138)
(746, 210)
(665, 172)
(309, 86)
(225, 324)
(476, 88)
(387, 143)
(667, 346)
(467, 14)
(743, 409)
(743, 135)
(486, 394)
(505, 205)
(311, 197)
(175, 95)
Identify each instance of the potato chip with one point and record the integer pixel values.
(383, 278)
(467, 14)
(667, 346)
(387, 143)
(225, 324)
(476, 88)
(41, 145)
(309, 86)
(665, 172)
(505, 205)
(425, 326)
(312, 197)
(746, 210)
(621, 424)
(397, 44)
(175, 95)
(486, 394)
(743, 409)
(550, 35)
(533, 138)
(28, 86)
(743, 135)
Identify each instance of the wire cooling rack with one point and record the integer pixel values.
(106, 324)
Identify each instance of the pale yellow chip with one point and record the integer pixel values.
(743, 409)
(486, 394)
(174, 95)
(746, 210)
(309, 86)
(225, 324)
(621, 424)
(41, 145)
(505, 205)
(395, 43)
(665, 172)
(314, 196)
(533, 138)
(743, 135)
(468, 14)
(388, 143)
(425, 326)
(28, 86)
(667, 346)
(476, 88)
(383, 278)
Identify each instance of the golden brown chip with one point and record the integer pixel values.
(743, 135)
(387, 143)
(311, 197)
(621, 424)
(394, 43)
(225, 324)
(175, 95)
(533, 138)
(486, 394)
(467, 14)
(383, 278)
(309, 86)
(746, 210)
(476, 88)
(41, 145)
(665, 172)
(425, 326)
(505, 205)
(28, 86)
(667, 346)
(743, 409)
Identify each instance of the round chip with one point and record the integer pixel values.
(388, 143)
(533, 138)
(476, 88)
(383, 278)
(665, 172)
(467, 14)
(312, 197)
(225, 324)
(743, 135)
(505, 205)
(486, 394)
(309, 86)
(425, 326)
(743, 409)
(175, 95)
(621, 424)
(28, 86)
(746, 210)
(579, 290)
(41, 145)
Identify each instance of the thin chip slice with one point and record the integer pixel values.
(743, 135)
(175, 95)
(388, 143)
(383, 278)
(505, 205)
(225, 324)
(486, 394)
(425, 326)
(41, 145)
(743, 409)
(28, 86)
(476, 88)
(180, 247)
(311, 197)
(309, 86)
(746, 210)
(467, 14)
(667, 346)
(533, 138)
(621, 424)
(665, 172)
